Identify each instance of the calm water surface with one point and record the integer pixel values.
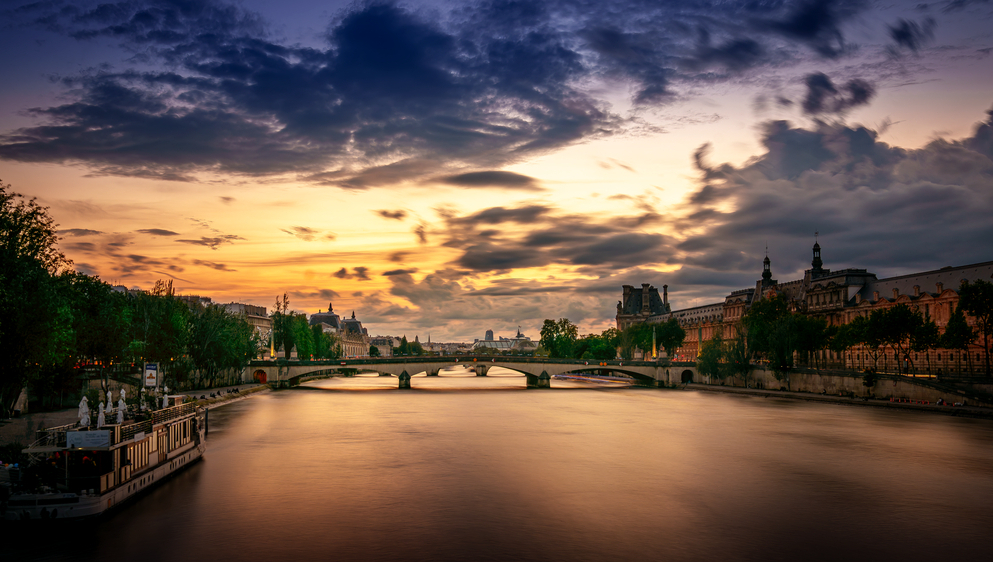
(466, 468)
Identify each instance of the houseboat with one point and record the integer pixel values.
(79, 472)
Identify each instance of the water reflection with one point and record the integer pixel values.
(478, 468)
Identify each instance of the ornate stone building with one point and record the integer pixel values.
(353, 338)
(838, 297)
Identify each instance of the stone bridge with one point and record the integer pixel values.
(538, 371)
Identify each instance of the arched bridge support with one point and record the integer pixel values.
(481, 370)
(404, 380)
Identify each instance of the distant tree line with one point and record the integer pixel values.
(561, 339)
(56, 324)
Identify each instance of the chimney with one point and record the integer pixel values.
(875, 296)
(645, 295)
(896, 293)
(940, 286)
(917, 290)
(665, 297)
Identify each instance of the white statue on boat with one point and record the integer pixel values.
(84, 413)
(101, 421)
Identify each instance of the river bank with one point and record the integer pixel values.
(966, 411)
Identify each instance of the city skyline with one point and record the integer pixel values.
(451, 167)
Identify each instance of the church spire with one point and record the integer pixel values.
(817, 264)
(766, 269)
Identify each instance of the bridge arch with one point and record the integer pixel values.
(687, 376)
(260, 376)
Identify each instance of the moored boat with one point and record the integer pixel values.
(80, 472)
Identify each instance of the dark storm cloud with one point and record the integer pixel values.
(538, 236)
(395, 95)
(887, 209)
(817, 23)
(911, 35)
(493, 178)
(824, 97)
(158, 232)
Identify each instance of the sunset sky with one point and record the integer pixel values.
(449, 167)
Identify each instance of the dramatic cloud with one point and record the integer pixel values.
(157, 232)
(395, 94)
(876, 206)
(824, 97)
(79, 232)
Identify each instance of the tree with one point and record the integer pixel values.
(737, 356)
(896, 325)
(811, 336)
(35, 317)
(710, 361)
(218, 341)
(958, 335)
(559, 338)
(761, 319)
(670, 336)
(925, 338)
(977, 300)
(870, 332)
(782, 340)
(373, 351)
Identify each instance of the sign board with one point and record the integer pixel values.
(87, 439)
(151, 374)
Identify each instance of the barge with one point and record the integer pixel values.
(79, 472)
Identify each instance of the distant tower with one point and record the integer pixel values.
(818, 265)
(489, 335)
(766, 270)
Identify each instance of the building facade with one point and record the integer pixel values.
(836, 296)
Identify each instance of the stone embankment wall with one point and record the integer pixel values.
(886, 387)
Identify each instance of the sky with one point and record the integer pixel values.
(443, 168)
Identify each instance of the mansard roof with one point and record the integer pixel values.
(949, 277)
(633, 302)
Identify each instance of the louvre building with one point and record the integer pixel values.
(837, 296)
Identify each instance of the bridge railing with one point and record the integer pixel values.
(467, 360)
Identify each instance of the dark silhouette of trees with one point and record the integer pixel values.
(977, 300)
(35, 316)
(958, 335)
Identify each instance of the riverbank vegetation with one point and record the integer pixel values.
(59, 327)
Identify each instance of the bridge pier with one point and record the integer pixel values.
(544, 380)
(433, 372)
(481, 370)
(404, 380)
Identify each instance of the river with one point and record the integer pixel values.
(473, 468)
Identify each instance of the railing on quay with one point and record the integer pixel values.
(167, 414)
